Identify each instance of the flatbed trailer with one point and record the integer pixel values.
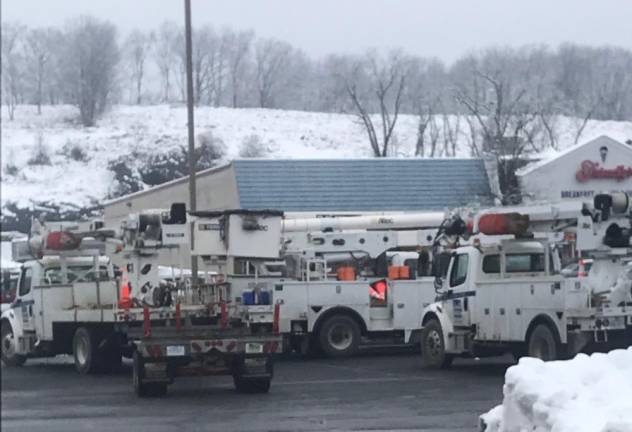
(165, 352)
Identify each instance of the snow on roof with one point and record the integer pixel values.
(548, 158)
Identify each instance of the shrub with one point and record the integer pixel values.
(40, 157)
(208, 151)
(76, 153)
(126, 179)
(252, 147)
(164, 167)
(40, 154)
(11, 169)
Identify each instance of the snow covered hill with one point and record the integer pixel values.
(82, 178)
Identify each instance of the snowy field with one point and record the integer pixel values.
(145, 130)
(585, 394)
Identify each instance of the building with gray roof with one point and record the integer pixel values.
(323, 185)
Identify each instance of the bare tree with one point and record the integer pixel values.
(451, 130)
(425, 91)
(207, 65)
(165, 55)
(239, 45)
(384, 80)
(138, 45)
(12, 65)
(271, 57)
(91, 59)
(501, 104)
(39, 50)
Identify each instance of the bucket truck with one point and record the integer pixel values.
(510, 296)
(70, 302)
(341, 281)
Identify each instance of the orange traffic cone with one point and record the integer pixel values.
(125, 300)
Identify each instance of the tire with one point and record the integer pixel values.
(433, 355)
(339, 336)
(542, 344)
(141, 388)
(251, 385)
(9, 357)
(519, 352)
(84, 349)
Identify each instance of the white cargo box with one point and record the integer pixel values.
(238, 233)
(175, 234)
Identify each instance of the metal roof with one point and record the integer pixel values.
(361, 184)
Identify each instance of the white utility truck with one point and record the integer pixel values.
(510, 296)
(342, 280)
(70, 302)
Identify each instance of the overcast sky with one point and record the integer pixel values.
(442, 28)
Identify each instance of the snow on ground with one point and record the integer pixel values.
(127, 130)
(585, 394)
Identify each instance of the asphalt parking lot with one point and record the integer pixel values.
(371, 392)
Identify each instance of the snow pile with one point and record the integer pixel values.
(585, 394)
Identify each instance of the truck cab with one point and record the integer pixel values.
(9, 287)
(49, 291)
(504, 297)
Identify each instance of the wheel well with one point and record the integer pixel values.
(64, 333)
(429, 316)
(547, 321)
(5, 322)
(340, 310)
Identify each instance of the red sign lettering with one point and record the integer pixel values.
(591, 170)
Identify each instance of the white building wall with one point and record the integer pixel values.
(216, 190)
(581, 173)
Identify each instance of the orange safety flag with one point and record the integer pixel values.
(377, 290)
(125, 300)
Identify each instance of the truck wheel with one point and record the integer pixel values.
(9, 348)
(84, 348)
(542, 344)
(251, 385)
(433, 353)
(141, 388)
(339, 336)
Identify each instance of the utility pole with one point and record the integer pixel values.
(192, 185)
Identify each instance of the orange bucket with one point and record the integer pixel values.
(393, 272)
(404, 272)
(346, 273)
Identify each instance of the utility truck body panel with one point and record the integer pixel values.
(512, 297)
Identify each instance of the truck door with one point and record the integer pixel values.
(23, 305)
(459, 296)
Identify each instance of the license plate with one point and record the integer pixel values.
(254, 348)
(175, 350)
